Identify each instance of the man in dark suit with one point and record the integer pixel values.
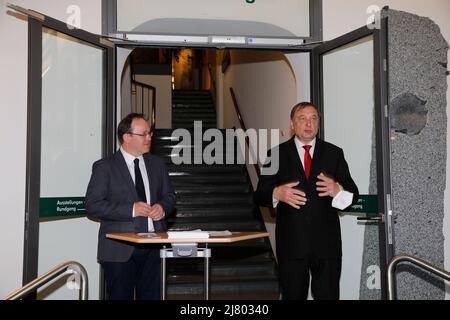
(312, 182)
(130, 192)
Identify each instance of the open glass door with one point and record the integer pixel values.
(70, 126)
(349, 87)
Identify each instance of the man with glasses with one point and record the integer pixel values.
(130, 192)
(312, 182)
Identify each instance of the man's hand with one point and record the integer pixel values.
(142, 209)
(293, 197)
(327, 186)
(156, 212)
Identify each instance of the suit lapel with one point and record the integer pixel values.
(123, 169)
(151, 181)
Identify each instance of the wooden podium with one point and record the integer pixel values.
(185, 248)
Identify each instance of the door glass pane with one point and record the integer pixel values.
(348, 95)
(215, 17)
(73, 98)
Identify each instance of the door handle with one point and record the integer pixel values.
(370, 219)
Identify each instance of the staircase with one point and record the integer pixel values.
(189, 106)
(214, 197)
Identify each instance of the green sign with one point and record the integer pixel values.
(367, 204)
(62, 207)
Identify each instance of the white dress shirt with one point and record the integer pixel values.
(129, 159)
(343, 198)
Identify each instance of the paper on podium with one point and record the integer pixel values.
(225, 233)
(194, 234)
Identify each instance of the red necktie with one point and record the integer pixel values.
(307, 161)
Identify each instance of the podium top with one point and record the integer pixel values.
(163, 237)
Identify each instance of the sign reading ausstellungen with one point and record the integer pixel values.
(62, 207)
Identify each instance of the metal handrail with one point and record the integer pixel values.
(243, 127)
(57, 272)
(146, 112)
(416, 261)
(213, 88)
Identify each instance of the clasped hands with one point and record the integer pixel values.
(142, 209)
(325, 186)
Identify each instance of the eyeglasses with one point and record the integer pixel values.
(144, 134)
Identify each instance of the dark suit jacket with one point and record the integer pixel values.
(314, 228)
(111, 195)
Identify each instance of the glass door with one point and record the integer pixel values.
(70, 126)
(350, 88)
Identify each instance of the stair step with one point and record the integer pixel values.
(205, 190)
(192, 101)
(255, 249)
(187, 152)
(252, 251)
(193, 117)
(188, 97)
(181, 140)
(194, 213)
(191, 125)
(190, 120)
(216, 225)
(185, 114)
(209, 178)
(198, 161)
(192, 110)
(216, 199)
(220, 223)
(191, 92)
(237, 290)
(239, 169)
(164, 133)
(213, 207)
(178, 146)
(209, 126)
(222, 268)
(198, 107)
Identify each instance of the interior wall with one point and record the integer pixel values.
(300, 63)
(255, 77)
(340, 17)
(124, 79)
(13, 109)
(163, 85)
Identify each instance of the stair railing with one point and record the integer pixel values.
(70, 267)
(213, 85)
(147, 105)
(243, 127)
(416, 261)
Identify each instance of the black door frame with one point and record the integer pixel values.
(382, 126)
(109, 20)
(36, 23)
